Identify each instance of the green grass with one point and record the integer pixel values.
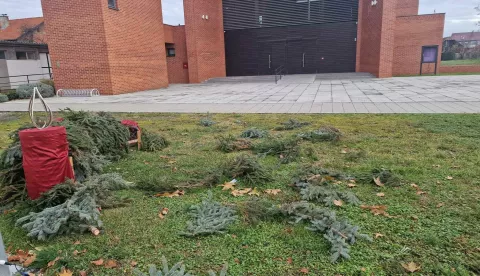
(437, 238)
(461, 62)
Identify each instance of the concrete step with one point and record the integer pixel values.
(246, 79)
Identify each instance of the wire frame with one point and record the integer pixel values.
(31, 108)
(78, 93)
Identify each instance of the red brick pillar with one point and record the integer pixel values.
(205, 39)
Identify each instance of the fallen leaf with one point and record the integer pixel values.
(273, 191)
(440, 205)
(254, 192)
(241, 192)
(233, 236)
(174, 169)
(111, 264)
(411, 267)
(419, 192)
(133, 264)
(172, 162)
(363, 269)
(449, 177)
(163, 213)
(378, 182)
(413, 185)
(436, 166)
(97, 262)
(378, 210)
(414, 217)
(94, 231)
(289, 260)
(338, 203)
(52, 263)
(378, 235)
(83, 273)
(30, 259)
(65, 272)
(228, 186)
(77, 243)
(343, 151)
(304, 270)
(237, 260)
(171, 195)
(351, 185)
(380, 194)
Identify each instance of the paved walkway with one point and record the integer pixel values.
(293, 94)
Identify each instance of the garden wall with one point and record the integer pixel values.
(460, 69)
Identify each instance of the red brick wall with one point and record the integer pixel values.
(77, 44)
(135, 45)
(411, 33)
(407, 7)
(205, 39)
(375, 37)
(460, 69)
(176, 72)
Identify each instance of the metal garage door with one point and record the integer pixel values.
(314, 48)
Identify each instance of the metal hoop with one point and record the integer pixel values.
(31, 106)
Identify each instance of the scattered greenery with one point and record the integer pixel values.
(48, 82)
(157, 184)
(287, 150)
(208, 218)
(321, 135)
(291, 124)
(176, 270)
(326, 194)
(254, 133)
(153, 142)
(230, 143)
(207, 121)
(256, 210)
(247, 168)
(386, 177)
(25, 91)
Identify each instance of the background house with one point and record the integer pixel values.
(24, 55)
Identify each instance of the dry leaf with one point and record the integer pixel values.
(52, 263)
(273, 191)
(338, 203)
(83, 273)
(436, 166)
(241, 192)
(254, 192)
(378, 210)
(343, 151)
(30, 259)
(163, 213)
(133, 264)
(378, 182)
(65, 272)
(351, 185)
(228, 186)
(174, 169)
(111, 264)
(413, 185)
(172, 162)
(419, 192)
(449, 177)
(97, 262)
(411, 267)
(77, 243)
(440, 205)
(289, 260)
(380, 194)
(94, 231)
(378, 235)
(363, 269)
(236, 260)
(304, 270)
(171, 195)
(233, 236)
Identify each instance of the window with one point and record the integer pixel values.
(170, 49)
(26, 55)
(112, 4)
(2, 55)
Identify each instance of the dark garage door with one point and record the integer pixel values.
(305, 49)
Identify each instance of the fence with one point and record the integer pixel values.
(12, 82)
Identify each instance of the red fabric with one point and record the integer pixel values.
(45, 159)
(130, 123)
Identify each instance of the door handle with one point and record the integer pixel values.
(303, 60)
(269, 61)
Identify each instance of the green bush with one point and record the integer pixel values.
(448, 56)
(3, 98)
(25, 91)
(12, 95)
(48, 82)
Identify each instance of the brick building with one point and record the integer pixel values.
(121, 46)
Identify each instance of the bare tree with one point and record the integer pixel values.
(28, 34)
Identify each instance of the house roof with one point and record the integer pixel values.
(14, 29)
(466, 36)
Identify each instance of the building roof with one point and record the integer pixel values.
(14, 29)
(465, 36)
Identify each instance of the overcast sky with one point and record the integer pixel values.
(461, 15)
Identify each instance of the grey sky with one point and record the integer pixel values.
(461, 16)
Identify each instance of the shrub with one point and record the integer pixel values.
(12, 95)
(323, 134)
(48, 82)
(3, 98)
(287, 149)
(247, 168)
(254, 133)
(230, 143)
(448, 56)
(25, 91)
(153, 142)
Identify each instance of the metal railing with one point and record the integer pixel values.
(280, 72)
(6, 83)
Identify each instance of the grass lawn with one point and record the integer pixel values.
(461, 62)
(439, 230)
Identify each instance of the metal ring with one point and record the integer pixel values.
(31, 106)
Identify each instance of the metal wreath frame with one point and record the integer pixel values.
(78, 92)
(31, 109)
